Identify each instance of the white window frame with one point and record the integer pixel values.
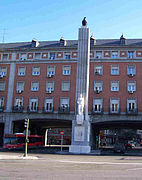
(50, 71)
(66, 70)
(5, 56)
(114, 86)
(67, 55)
(64, 104)
(3, 85)
(98, 86)
(20, 102)
(3, 71)
(21, 73)
(23, 56)
(131, 86)
(114, 54)
(116, 107)
(20, 88)
(48, 105)
(131, 54)
(35, 107)
(49, 86)
(65, 82)
(98, 70)
(99, 54)
(34, 86)
(52, 55)
(97, 105)
(131, 70)
(1, 102)
(114, 69)
(131, 105)
(34, 72)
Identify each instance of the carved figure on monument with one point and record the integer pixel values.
(84, 22)
(80, 109)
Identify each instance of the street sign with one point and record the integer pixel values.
(62, 133)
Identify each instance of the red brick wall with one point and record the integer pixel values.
(41, 94)
(123, 94)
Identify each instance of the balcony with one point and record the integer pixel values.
(98, 111)
(114, 112)
(64, 110)
(32, 109)
(44, 110)
(132, 111)
(17, 109)
(1, 108)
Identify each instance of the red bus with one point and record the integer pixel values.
(17, 141)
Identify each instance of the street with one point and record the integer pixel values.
(70, 167)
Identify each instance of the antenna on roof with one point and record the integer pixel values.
(3, 36)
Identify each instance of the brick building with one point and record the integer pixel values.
(38, 80)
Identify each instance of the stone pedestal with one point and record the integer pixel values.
(81, 124)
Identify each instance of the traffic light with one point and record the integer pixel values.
(26, 123)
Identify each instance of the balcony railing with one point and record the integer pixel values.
(44, 110)
(114, 112)
(31, 109)
(132, 111)
(64, 110)
(100, 111)
(1, 108)
(17, 109)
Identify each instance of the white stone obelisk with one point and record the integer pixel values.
(81, 124)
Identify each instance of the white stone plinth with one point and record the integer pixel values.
(79, 149)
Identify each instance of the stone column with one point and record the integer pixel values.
(81, 124)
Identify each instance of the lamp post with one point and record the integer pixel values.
(26, 124)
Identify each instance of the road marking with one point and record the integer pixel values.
(134, 169)
(90, 162)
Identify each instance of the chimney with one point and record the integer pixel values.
(122, 40)
(63, 42)
(92, 41)
(35, 43)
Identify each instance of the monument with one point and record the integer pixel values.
(81, 124)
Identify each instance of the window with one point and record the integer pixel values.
(64, 104)
(98, 70)
(114, 105)
(131, 70)
(36, 71)
(1, 102)
(21, 71)
(65, 86)
(67, 55)
(131, 54)
(49, 87)
(37, 55)
(114, 85)
(19, 102)
(34, 86)
(20, 87)
(23, 56)
(3, 71)
(131, 105)
(98, 54)
(2, 86)
(50, 71)
(49, 105)
(98, 86)
(66, 70)
(52, 56)
(97, 105)
(131, 87)
(5, 57)
(114, 70)
(33, 105)
(114, 54)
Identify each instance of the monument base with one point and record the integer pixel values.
(79, 149)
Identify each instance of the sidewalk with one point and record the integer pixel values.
(15, 157)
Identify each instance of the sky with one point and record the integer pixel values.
(48, 20)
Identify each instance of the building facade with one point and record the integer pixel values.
(38, 80)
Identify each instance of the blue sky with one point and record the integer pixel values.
(50, 19)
